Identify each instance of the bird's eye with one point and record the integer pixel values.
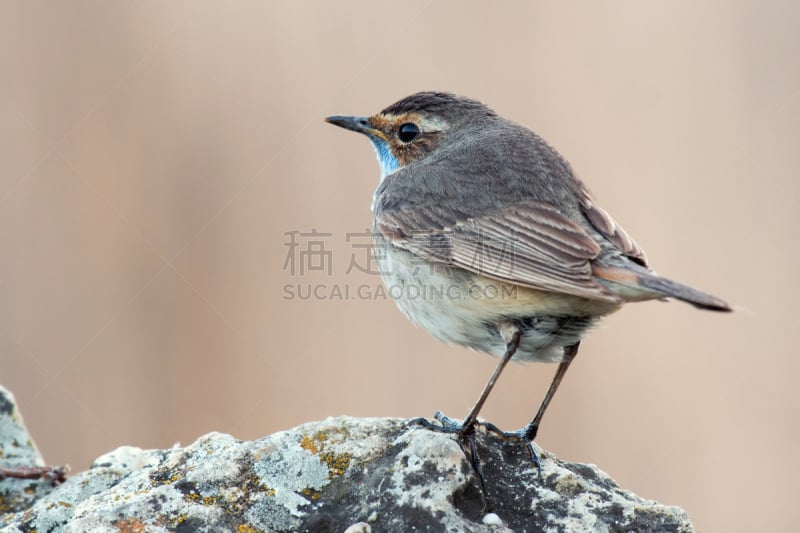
(408, 132)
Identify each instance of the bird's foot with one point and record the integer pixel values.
(445, 425)
(466, 440)
(524, 435)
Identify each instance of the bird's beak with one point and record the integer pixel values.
(359, 124)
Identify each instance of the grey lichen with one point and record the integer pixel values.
(339, 474)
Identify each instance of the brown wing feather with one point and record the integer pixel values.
(529, 244)
(612, 231)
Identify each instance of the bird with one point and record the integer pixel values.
(489, 240)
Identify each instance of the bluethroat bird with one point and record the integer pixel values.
(488, 240)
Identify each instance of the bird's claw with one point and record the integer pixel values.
(446, 424)
(521, 435)
(466, 440)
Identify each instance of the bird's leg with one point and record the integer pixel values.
(512, 336)
(466, 429)
(528, 433)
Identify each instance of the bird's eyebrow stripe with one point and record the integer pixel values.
(385, 121)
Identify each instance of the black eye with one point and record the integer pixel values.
(408, 132)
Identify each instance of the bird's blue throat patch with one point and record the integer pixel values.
(386, 159)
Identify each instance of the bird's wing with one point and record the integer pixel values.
(530, 244)
(605, 225)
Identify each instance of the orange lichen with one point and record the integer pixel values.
(318, 443)
(131, 525)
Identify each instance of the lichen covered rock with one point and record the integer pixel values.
(17, 450)
(341, 474)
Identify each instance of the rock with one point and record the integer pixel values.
(17, 451)
(341, 474)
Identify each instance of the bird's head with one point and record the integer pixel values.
(414, 127)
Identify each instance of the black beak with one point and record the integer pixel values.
(359, 124)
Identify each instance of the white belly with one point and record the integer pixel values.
(459, 307)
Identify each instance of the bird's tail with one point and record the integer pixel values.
(642, 284)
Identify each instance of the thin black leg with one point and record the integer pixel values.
(466, 429)
(450, 425)
(529, 432)
(511, 349)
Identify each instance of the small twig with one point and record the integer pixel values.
(57, 474)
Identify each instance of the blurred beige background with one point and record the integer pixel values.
(155, 154)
